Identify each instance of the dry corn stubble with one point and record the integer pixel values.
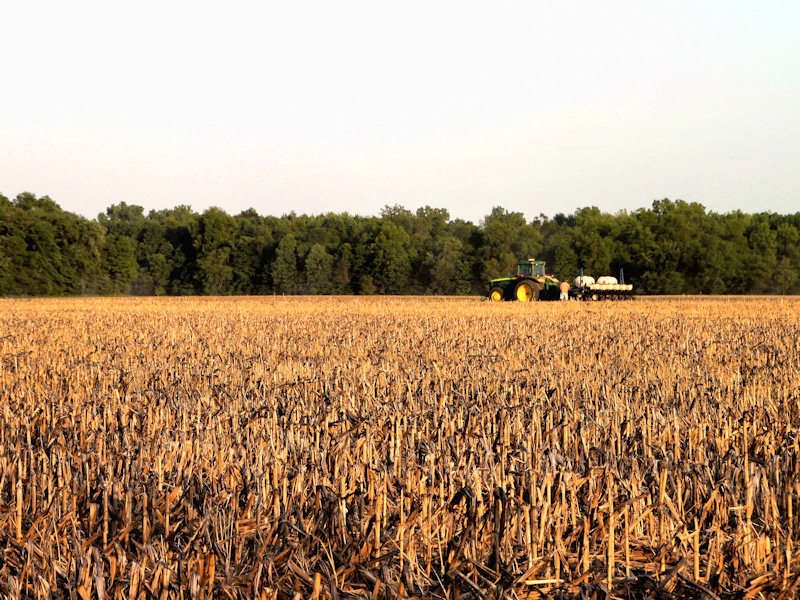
(388, 447)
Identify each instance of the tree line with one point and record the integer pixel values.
(673, 247)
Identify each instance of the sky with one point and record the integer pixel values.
(315, 107)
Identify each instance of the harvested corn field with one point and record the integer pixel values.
(387, 448)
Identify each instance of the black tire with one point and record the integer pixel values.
(497, 294)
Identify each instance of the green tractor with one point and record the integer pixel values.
(530, 283)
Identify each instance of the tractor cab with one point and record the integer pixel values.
(530, 268)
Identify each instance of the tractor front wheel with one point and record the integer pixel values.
(527, 290)
(496, 294)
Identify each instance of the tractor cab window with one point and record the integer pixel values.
(524, 270)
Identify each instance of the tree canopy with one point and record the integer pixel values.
(673, 247)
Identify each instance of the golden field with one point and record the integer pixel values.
(377, 448)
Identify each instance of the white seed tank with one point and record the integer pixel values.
(585, 280)
(607, 280)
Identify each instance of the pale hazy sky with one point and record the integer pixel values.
(539, 107)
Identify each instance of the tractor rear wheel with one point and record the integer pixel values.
(527, 290)
(496, 294)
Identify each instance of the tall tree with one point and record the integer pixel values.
(450, 273)
(119, 256)
(319, 266)
(341, 278)
(214, 238)
(392, 266)
(249, 254)
(285, 276)
(764, 257)
(507, 239)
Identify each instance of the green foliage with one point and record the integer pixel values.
(673, 247)
(450, 273)
(284, 271)
(319, 267)
(392, 262)
(119, 261)
(214, 239)
(45, 251)
(507, 238)
(340, 277)
(249, 254)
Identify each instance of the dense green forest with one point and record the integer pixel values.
(673, 247)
